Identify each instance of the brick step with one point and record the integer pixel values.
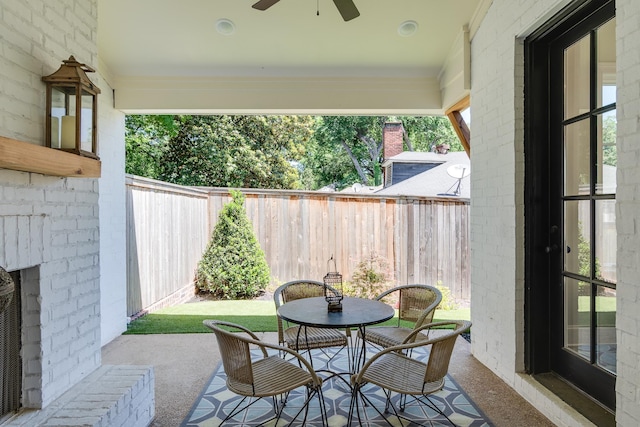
(111, 396)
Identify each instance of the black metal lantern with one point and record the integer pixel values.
(333, 292)
(72, 109)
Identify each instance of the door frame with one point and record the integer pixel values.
(543, 291)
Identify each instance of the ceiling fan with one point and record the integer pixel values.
(347, 9)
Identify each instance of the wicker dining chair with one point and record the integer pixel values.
(394, 371)
(302, 338)
(416, 303)
(268, 376)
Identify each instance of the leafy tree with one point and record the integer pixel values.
(271, 151)
(236, 151)
(326, 164)
(233, 265)
(427, 132)
(348, 149)
(609, 150)
(145, 140)
(584, 262)
(359, 137)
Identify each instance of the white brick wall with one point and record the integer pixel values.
(497, 203)
(53, 223)
(627, 209)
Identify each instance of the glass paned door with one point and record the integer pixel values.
(570, 199)
(585, 339)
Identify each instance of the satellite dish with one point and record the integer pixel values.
(357, 187)
(459, 171)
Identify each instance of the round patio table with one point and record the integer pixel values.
(356, 313)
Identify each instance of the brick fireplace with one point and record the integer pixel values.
(49, 233)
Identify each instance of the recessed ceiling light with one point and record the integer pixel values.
(225, 27)
(407, 28)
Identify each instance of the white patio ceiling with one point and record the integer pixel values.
(167, 56)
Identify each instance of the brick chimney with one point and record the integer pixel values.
(392, 139)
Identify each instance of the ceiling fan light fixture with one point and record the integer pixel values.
(407, 28)
(226, 27)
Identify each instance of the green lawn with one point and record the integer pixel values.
(257, 315)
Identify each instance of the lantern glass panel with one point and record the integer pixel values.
(68, 121)
(58, 109)
(86, 124)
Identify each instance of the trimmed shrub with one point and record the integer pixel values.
(370, 278)
(448, 302)
(233, 265)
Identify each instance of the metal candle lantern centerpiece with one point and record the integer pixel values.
(333, 293)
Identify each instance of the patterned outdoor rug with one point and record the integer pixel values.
(215, 401)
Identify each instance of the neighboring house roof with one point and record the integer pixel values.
(435, 182)
(361, 189)
(328, 188)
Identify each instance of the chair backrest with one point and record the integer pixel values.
(235, 354)
(294, 290)
(298, 289)
(416, 303)
(442, 348)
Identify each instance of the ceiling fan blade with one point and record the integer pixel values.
(347, 9)
(264, 4)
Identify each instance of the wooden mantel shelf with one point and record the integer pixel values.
(22, 156)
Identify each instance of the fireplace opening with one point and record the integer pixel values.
(10, 346)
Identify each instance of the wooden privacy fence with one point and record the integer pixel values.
(424, 240)
(167, 231)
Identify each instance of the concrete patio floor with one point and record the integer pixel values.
(183, 363)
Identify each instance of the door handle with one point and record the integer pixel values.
(554, 247)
